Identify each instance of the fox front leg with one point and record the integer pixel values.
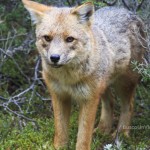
(86, 123)
(62, 108)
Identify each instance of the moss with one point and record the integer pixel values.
(35, 137)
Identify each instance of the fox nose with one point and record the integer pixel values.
(55, 58)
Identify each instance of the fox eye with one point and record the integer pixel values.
(47, 38)
(70, 39)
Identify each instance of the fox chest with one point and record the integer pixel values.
(77, 92)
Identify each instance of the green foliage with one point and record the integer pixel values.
(143, 70)
(98, 3)
(29, 138)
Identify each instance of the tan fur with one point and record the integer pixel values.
(100, 56)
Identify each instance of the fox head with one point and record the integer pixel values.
(64, 35)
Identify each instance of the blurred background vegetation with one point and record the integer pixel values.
(26, 120)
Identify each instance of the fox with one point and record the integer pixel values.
(85, 53)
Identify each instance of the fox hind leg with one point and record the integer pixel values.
(125, 89)
(106, 117)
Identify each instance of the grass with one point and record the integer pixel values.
(17, 134)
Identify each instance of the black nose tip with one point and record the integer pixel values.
(55, 58)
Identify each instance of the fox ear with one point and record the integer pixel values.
(84, 12)
(36, 10)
